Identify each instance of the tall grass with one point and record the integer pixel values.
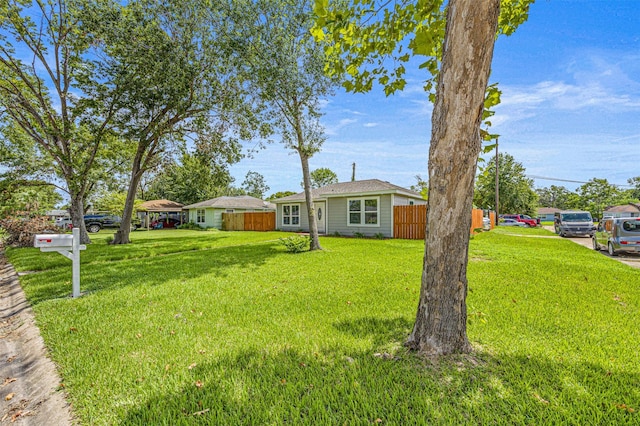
(188, 327)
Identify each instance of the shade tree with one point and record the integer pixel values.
(284, 66)
(373, 42)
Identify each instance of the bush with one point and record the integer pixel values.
(296, 244)
(19, 232)
(190, 225)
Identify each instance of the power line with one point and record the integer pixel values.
(572, 181)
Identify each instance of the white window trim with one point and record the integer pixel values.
(362, 213)
(204, 216)
(291, 216)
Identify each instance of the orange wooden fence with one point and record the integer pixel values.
(410, 222)
(249, 221)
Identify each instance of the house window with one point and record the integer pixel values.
(363, 211)
(200, 216)
(291, 214)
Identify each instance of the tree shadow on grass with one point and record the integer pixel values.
(380, 330)
(337, 386)
(216, 262)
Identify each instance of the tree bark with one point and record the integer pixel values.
(311, 210)
(441, 320)
(77, 216)
(122, 235)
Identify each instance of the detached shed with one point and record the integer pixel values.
(156, 209)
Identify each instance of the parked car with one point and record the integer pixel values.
(574, 223)
(522, 218)
(64, 222)
(164, 223)
(95, 223)
(618, 234)
(511, 222)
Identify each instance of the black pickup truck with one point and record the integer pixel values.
(96, 222)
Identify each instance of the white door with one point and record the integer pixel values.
(321, 217)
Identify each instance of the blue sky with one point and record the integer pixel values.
(570, 82)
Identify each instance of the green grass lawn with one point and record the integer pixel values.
(187, 327)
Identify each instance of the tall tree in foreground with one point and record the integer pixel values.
(466, 53)
(441, 321)
(175, 84)
(286, 68)
(44, 66)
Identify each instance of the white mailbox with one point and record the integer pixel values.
(53, 240)
(67, 245)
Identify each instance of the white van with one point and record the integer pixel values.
(574, 223)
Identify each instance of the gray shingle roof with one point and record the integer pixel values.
(358, 187)
(625, 208)
(239, 202)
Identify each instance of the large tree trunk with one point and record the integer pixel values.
(122, 235)
(441, 321)
(311, 210)
(77, 216)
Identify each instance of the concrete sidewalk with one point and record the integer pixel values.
(29, 378)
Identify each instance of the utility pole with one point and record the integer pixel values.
(353, 172)
(497, 183)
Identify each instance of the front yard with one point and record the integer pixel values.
(188, 327)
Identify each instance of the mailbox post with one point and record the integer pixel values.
(67, 245)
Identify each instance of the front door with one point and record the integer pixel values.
(321, 217)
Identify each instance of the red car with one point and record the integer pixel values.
(164, 223)
(527, 220)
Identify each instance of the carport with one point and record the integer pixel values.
(153, 209)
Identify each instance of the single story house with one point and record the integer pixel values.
(625, 210)
(364, 207)
(208, 214)
(547, 214)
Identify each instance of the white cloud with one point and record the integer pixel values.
(334, 129)
(371, 124)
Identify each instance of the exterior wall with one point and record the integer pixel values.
(213, 217)
(621, 214)
(337, 218)
(548, 217)
(304, 218)
(399, 200)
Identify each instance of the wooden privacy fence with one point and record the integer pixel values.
(410, 222)
(249, 221)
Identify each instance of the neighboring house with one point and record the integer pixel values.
(364, 207)
(208, 214)
(625, 210)
(57, 214)
(547, 214)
